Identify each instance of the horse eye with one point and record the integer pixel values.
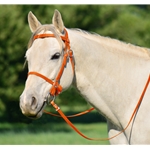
(55, 56)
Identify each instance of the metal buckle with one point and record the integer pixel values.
(49, 98)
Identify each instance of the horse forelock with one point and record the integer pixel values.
(44, 28)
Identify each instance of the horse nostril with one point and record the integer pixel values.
(33, 103)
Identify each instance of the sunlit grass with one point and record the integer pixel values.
(55, 137)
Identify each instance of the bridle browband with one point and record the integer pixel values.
(68, 53)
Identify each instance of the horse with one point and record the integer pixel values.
(110, 75)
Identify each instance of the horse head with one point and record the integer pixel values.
(50, 65)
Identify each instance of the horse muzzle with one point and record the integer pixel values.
(31, 107)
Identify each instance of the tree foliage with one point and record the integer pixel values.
(129, 23)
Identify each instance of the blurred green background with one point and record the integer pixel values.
(129, 23)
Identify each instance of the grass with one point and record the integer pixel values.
(50, 130)
(52, 134)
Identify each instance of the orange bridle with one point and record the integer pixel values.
(56, 87)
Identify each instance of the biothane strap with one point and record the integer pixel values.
(56, 88)
(103, 139)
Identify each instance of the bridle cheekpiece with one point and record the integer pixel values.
(68, 53)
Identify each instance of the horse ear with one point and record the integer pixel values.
(33, 22)
(58, 22)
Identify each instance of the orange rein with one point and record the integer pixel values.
(61, 114)
(71, 116)
(57, 88)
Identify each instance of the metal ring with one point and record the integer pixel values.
(49, 98)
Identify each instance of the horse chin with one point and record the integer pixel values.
(33, 114)
(39, 115)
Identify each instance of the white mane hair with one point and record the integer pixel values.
(114, 44)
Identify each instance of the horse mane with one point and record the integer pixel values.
(115, 44)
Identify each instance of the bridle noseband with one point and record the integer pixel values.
(68, 53)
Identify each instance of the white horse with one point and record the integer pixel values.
(109, 74)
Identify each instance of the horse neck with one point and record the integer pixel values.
(104, 77)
